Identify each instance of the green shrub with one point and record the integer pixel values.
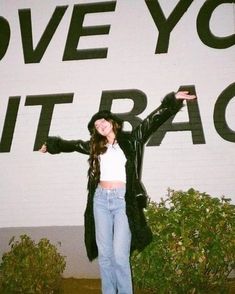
(193, 248)
(31, 268)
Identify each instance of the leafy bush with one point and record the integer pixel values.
(193, 249)
(31, 268)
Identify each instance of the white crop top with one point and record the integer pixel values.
(112, 164)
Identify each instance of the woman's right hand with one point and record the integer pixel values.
(43, 149)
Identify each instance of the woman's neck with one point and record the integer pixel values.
(111, 138)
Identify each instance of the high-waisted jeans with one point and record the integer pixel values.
(113, 238)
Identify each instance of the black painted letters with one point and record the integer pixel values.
(32, 55)
(203, 26)
(76, 30)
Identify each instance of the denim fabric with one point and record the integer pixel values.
(113, 238)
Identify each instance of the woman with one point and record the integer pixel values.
(114, 220)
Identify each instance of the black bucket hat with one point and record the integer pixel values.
(106, 114)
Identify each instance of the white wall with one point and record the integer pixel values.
(44, 190)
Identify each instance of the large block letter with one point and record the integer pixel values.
(194, 125)
(76, 30)
(221, 104)
(5, 33)
(9, 124)
(165, 26)
(47, 102)
(203, 26)
(32, 55)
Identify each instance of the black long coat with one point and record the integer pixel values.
(132, 145)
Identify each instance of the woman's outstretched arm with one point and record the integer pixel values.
(55, 145)
(170, 105)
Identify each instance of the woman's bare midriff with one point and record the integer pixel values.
(111, 184)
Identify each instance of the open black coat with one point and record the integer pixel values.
(132, 145)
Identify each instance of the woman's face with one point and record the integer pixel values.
(103, 127)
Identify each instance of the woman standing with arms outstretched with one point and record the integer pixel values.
(114, 220)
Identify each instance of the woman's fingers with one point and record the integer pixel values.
(184, 95)
(43, 149)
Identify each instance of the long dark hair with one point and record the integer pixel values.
(98, 146)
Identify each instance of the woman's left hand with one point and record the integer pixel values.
(184, 95)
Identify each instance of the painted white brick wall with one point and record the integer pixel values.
(44, 190)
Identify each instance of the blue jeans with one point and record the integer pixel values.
(113, 238)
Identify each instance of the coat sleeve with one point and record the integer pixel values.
(57, 145)
(169, 106)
